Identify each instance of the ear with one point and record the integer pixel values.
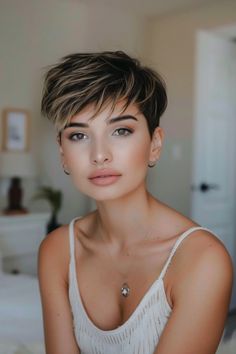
(60, 148)
(156, 144)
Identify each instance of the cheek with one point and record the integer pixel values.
(79, 164)
(76, 160)
(137, 153)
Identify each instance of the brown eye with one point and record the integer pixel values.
(77, 136)
(123, 132)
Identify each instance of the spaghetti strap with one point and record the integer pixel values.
(176, 245)
(72, 238)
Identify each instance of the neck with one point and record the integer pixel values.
(127, 221)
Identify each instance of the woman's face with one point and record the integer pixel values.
(115, 146)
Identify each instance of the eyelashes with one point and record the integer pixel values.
(79, 136)
(122, 132)
(126, 131)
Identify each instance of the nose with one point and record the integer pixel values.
(100, 154)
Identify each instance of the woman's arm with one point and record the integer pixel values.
(53, 262)
(201, 300)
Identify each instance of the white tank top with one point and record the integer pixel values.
(141, 332)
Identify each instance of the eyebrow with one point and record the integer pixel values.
(110, 121)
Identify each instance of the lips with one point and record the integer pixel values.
(104, 177)
(104, 173)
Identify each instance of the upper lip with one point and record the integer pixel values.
(104, 172)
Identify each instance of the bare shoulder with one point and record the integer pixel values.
(56, 245)
(199, 281)
(202, 246)
(53, 270)
(200, 259)
(54, 252)
(55, 241)
(201, 256)
(198, 244)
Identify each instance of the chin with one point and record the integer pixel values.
(105, 195)
(112, 192)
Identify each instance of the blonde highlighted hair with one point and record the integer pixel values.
(101, 79)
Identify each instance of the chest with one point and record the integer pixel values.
(100, 282)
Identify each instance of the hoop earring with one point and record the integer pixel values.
(152, 164)
(66, 172)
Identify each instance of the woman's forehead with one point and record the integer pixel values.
(90, 112)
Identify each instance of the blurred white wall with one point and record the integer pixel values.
(171, 49)
(34, 34)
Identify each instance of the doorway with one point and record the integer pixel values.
(214, 162)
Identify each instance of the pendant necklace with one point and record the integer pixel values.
(125, 290)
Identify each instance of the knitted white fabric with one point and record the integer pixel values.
(140, 333)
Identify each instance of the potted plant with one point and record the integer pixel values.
(54, 197)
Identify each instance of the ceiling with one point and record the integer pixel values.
(151, 7)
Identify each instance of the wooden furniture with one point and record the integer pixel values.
(20, 237)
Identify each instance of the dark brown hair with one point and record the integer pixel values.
(102, 78)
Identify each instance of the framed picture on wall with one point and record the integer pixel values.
(15, 130)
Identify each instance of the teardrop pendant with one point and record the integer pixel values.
(125, 290)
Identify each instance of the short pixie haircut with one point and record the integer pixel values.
(101, 79)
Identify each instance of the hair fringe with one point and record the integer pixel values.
(101, 79)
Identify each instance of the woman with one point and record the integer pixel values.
(134, 276)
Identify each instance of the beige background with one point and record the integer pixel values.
(34, 34)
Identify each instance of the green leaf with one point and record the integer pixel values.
(53, 196)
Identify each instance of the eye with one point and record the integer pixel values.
(123, 132)
(77, 136)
